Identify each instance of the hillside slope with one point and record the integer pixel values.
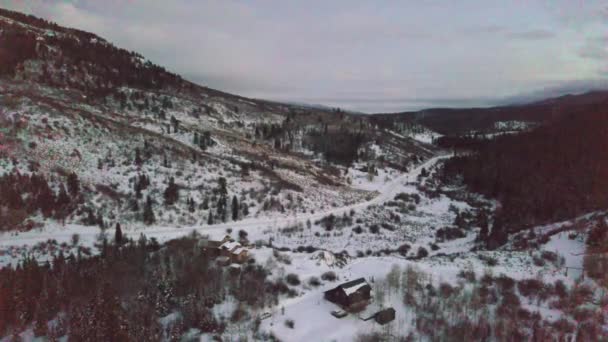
(98, 135)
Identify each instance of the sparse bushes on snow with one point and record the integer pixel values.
(374, 229)
(422, 253)
(314, 281)
(449, 233)
(403, 249)
(329, 276)
(530, 287)
(282, 258)
(292, 279)
(488, 260)
(468, 275)
(306, 249)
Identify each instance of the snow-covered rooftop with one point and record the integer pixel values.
(230, 245)
(353, 286)
(238, 250)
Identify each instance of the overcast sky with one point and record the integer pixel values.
(371, 56)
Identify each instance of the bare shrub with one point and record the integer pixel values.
(292, 279)
(329, 276)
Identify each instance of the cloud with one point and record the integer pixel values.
(499, 31)
(532, 35)
(354, 53)
(595, 48)
(486, 29)
(578, 14)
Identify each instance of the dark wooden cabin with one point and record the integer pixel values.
(350, 293)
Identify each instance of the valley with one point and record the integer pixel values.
(136, 205)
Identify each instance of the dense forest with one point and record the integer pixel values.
(555, 172)
(341, 146)
(121, 294)
(16, 47)
(25, 195)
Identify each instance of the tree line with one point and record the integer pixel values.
(120, 294)
(25, 195)
(555, 172)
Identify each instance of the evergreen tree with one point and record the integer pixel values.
(100, 221)
(41, 327)
(62, 205)
(210, 218)
(118, 234)
(175, 124)
(63, 200)
(7, 307)
(483, 233)
(45, 198)
(484, 225)
(235, 208)
(137, 187)
(138, 161)
(148, 213)
(134, 205)
(91, 220)
(195, 140)
(171, 193)
(73, 184)
(191, 207)
(222, 201)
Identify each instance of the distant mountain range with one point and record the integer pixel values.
(463, 120)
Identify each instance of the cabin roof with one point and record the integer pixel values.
(230, 245)
(352, 286)
(238, 250)
(353, 283)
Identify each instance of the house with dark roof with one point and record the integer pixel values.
(351, 293)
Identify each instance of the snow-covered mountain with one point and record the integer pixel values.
(138, 206)
(74, 103)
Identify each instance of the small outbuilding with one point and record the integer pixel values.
(385, 316)
(351, 293)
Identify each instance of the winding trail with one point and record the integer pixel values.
(253, 224)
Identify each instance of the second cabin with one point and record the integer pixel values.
(227, 251)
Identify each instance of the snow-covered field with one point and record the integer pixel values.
(311, 312)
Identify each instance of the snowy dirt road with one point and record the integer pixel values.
(251, 225)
